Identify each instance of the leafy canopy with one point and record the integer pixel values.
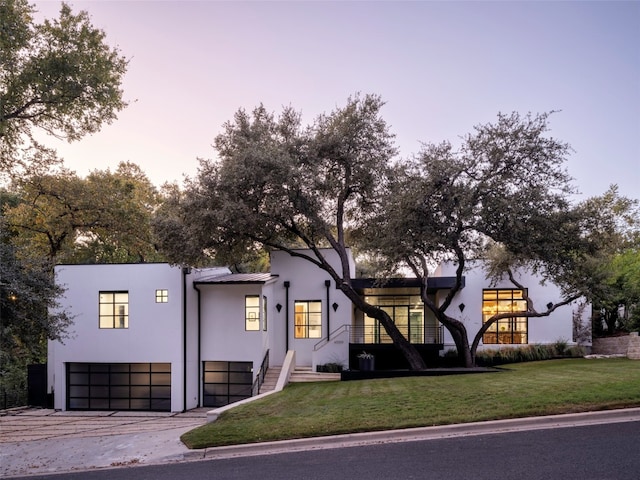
(59, 77)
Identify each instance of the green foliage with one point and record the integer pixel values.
(29, 315)
(529, 353)
(59, 77)
(331, 367)
(280, 185)
(104, 218)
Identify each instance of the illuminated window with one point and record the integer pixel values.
(252, 312)
(114, 310)
(162, 296)
(308, 319)
(406, 311)
(512, 330)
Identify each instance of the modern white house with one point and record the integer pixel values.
(161, 337)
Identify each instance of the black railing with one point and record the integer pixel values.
(257, 383)
(427, 335)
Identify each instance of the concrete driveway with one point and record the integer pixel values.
(47, 441)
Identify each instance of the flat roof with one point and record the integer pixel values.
(236, 278)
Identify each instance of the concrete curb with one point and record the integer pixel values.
(415, 434)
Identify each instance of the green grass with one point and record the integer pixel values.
(329, 408)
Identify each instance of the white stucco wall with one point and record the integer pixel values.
(307, 283)
(155, 329)
(224, 337)
(543, 330)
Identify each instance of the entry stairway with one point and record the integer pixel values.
(299, 374)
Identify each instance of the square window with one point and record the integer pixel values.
(162, 296)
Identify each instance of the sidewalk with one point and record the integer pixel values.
(45, 441)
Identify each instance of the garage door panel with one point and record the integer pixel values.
(226, 382)
(119, 386)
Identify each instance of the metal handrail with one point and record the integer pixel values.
(257, 383)
(324, 341)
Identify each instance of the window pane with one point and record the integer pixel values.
(252, 312)
(113, 310)
(308, 319)
(506, 330)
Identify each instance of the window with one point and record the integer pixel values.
(406, 311)
(507, 330)
(252, 313)
(308, 319)
(114, 310)
(264, 313)
(162, 296)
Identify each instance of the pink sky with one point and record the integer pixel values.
(442, 67)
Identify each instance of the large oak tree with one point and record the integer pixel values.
(281, 185)
(502, 196)
(59, 77)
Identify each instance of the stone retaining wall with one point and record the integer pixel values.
(634, 346)
(628, 345)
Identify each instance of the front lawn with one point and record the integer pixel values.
(520, 390)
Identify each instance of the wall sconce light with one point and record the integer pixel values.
(278, 307)
(461, 307)
(549, 305)
(335, 306)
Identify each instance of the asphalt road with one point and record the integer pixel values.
(594, 452)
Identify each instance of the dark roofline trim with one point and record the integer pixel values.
(433, 283)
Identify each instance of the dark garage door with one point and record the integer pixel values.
(226, 382)
(119, 386)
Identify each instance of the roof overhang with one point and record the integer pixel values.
(237, 279)
(433, 283)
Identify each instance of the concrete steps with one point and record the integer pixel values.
(305, 374)
(270, 379)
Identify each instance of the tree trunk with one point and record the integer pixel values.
(458, 332)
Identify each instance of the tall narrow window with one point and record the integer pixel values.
(252, 312)
(162, 296)
(308, 319)
(114, 310)
(512, 330)
(264, 313)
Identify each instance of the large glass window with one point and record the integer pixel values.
(252, 312)
(114, 310)
(512, 330)
(308, 319)
(406, 311)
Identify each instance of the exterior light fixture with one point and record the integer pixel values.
(278, 307)
(335, 306)
(461, 307)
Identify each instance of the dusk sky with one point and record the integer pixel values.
(441, 67)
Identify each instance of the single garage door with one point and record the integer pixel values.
(226, 382)
(119, 386)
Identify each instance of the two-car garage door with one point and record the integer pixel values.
(119, 386)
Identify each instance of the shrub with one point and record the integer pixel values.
(330, 368)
